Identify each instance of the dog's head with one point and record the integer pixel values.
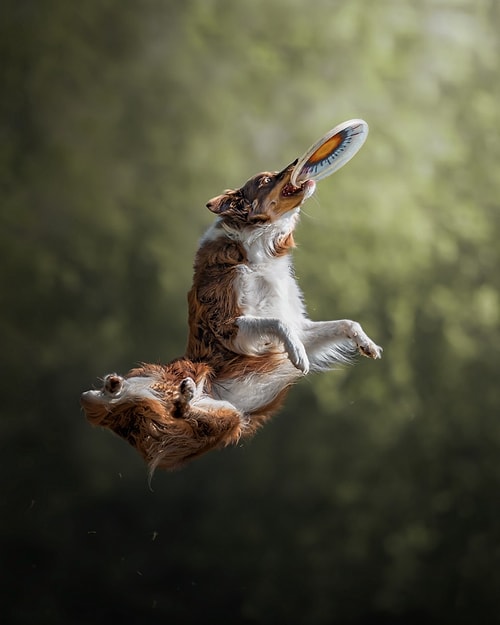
(262, 199)
(151, 409)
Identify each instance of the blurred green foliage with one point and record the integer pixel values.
(373, 497)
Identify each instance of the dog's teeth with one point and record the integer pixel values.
(290, 189)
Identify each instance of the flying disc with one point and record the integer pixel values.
(331, 152)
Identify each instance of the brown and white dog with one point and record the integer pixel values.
(249, 340)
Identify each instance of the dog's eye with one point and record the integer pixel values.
(265, 180)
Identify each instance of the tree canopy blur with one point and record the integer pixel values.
(373, 496)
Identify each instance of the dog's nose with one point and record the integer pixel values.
(287, 169)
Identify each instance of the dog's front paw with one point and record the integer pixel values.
(370, 349)
(298, 356)
(363, 342)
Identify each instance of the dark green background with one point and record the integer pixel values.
(374, 496)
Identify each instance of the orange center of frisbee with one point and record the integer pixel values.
(326, 148)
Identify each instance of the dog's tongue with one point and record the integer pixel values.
(308, 186)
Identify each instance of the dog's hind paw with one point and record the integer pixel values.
(187, 388)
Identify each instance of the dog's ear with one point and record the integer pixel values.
(230, 201)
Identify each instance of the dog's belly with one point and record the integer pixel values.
(252, 391)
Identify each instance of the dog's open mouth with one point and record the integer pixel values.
(307, 188)
(289, 189)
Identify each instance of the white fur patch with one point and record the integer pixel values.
(131, 390)
(250, 392)
(269, 290)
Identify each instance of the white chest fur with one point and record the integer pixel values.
(265, 288)
(268, 289)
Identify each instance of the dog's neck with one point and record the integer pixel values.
(261, 242)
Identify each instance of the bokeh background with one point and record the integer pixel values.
(374, 496)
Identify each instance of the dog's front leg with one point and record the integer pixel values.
(258, 335)
(325, 341)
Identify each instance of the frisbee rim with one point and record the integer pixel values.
(342, 159)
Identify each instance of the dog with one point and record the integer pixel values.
(250, 338)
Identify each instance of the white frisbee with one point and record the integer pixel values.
(331, 152)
